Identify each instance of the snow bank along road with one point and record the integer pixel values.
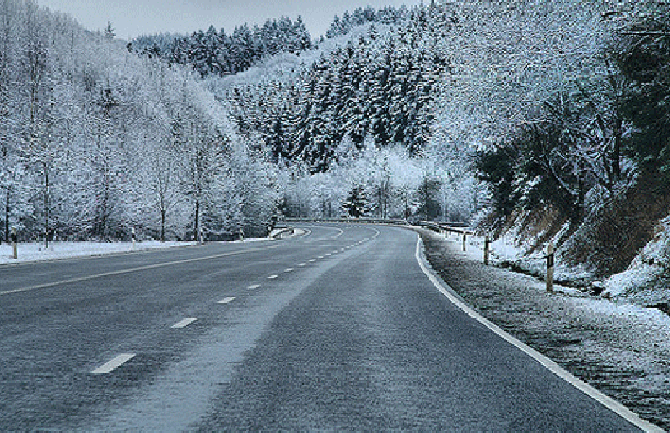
(343, 327)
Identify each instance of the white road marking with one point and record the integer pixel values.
(183, 323)
(312, 260)
(328, 255)
(320, 257)
(287, 270)
(254, 286)
(550, 365)
(339, 234)
(336, 251)
(115, 363)
(130, 270)
(227, 300)
(302, 264)
(272, 277)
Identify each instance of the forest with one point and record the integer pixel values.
(489, 113)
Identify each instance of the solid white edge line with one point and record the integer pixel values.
(550, 365)
(113, 364)
(227, 300)
(183, 323)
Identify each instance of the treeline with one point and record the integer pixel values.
(361, 16)
(215, 52)
(379, 85)
(95, 141)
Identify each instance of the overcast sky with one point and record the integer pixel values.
(132, 18)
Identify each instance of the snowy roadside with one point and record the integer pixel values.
(29, 252)
(621, 348)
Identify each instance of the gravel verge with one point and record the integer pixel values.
(619, 348)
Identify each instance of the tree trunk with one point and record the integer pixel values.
(196, 223)
(162, 224)
(46, 205)
(7, 215)
(616, 152)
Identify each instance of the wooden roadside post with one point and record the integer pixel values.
(14, 244)
(464, 239)
(550, 268)
(487, 243)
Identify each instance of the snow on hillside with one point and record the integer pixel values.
(647, 279)
(645, 282)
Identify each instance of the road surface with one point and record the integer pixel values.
(339, 328)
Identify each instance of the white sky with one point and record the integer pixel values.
(133, 18)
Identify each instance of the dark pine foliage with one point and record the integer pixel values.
(215, 52)
(644, 58)
(377, 86)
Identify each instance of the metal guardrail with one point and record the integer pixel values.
(349, 220)
(455, 227)
(289, 230)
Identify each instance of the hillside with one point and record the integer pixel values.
(97, 141)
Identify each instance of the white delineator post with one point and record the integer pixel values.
(132, 235)
(550, 268)
(14, 244)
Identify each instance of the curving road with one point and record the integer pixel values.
(340, 328)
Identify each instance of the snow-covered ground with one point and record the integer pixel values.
(27, 252)
(646, 281)
(618, 346)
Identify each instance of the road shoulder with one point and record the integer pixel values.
(618, 349)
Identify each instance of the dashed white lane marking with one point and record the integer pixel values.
(550, 365)
(312, 260)
(183, 323)
(336, 251)
(320, 257)
(287, 270)
(254, 286)
(302, 264)
(227, 300)
(272, 277)
(328, 255)
(115, 363)
(130, 270)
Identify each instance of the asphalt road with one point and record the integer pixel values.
(338, 329)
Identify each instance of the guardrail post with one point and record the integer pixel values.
(550, 268)
(14, 244)
(487, 243)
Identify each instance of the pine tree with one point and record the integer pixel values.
(355, 202)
